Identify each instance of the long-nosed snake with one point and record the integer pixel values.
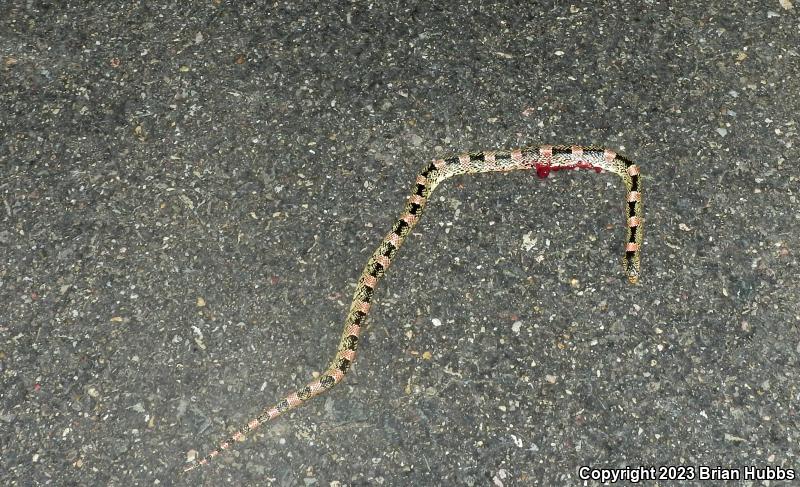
(543, 159)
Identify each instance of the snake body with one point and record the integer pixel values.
(543, 159)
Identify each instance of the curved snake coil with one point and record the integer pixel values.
(543, 159)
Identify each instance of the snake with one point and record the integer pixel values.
(543, 159)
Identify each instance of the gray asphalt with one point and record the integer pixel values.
(189, 192)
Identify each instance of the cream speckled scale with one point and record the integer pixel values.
(543, 159)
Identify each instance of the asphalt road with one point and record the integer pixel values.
(189, 192)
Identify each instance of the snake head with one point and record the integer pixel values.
(631, 265)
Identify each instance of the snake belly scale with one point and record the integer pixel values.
(542, 159)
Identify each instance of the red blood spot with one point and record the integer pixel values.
(36, 387)
(542, 171)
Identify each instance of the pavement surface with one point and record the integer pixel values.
(190, 190)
